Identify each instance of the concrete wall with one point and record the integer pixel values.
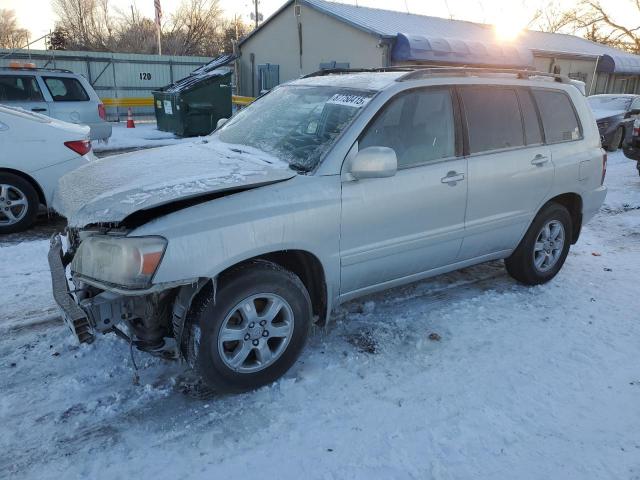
(324, 39)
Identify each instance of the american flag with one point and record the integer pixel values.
(156, 3)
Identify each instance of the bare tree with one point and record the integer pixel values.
(594, 21)
(552, 17)
(88, 23)
(195, 28)
(11, 35)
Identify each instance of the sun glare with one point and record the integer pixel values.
(509, 24)
(507, 31)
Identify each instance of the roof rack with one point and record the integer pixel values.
(36, 69)
(414, 72)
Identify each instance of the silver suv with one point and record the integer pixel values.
(328, 188)
(56, 93)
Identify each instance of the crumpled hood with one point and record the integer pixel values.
(110, 189)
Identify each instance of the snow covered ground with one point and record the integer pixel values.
(519, 383)
(145, 135)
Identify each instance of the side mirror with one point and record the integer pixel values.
(221, 122)
(374, 162)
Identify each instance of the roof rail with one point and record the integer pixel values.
(36, 69)
(464, 71)
(337, 71)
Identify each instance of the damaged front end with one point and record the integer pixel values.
(107, 291)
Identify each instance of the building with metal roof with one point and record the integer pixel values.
(307, 35)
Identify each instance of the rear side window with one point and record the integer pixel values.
(532, 133)
(493, 118)
(558, 116)
(66, 89)
(418, 125)
(16, 88)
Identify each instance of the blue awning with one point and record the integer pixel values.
(420, 48)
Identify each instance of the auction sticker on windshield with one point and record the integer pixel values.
(348, 100)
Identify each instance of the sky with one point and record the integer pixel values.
(38, 16)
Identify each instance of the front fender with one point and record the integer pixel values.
(204, 240)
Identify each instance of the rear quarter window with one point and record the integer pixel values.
(66, 89)
(559, 119)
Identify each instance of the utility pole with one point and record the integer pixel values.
(255, 4)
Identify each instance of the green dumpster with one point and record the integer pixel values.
(193, 105)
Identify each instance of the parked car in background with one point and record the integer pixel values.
(614, 115)
(35, 151)
(56, 93)
(631, 146)
(325, 189)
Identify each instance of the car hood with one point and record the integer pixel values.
(605, 114)
(111, 189)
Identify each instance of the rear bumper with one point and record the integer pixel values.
(592, 203)
(75, 318)
(100, 130)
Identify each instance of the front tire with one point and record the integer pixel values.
(544, 248)
(252, 332)
(18, 203)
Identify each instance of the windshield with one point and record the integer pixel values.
(296, 123)
(610, 103)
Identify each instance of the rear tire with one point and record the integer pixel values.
(265, 313)
(19, 203)
(544, 248)
(616, 140)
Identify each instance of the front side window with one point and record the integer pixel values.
(296, 123)
(418, 126)
(558, 116)
(493, 118)
(14, 88)
(66, 89)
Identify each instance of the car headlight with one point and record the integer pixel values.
(129, 262)
(603, 125)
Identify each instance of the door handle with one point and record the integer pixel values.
(38, 109)
(539, 160)
(452, 178)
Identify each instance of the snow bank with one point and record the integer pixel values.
(522, 383)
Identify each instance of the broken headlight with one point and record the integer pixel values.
(129, 262)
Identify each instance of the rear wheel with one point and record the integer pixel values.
(253, 331)
(18, 203)
(544, 248)
(616, 140)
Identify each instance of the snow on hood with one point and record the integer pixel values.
(110, 189)
(600, 114)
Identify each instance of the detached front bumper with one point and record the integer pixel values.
(74, 316)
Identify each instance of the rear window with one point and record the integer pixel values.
(558, 116)
(493, 118)
(14, 88)
(66, 89)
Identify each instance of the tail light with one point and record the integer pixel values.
(636, 128)
(81, 147)
(604, 167)
(102, 113)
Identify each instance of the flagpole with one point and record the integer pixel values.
(158, 8)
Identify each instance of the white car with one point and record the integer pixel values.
(35, 151)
